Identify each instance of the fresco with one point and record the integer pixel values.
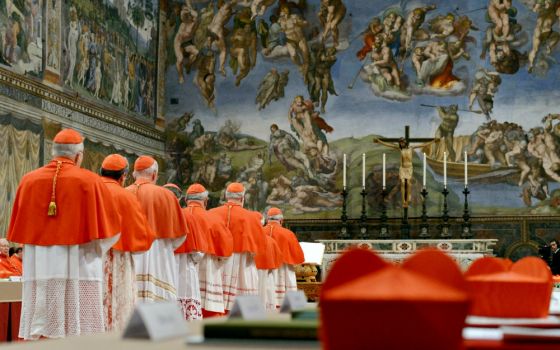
(273, 92)
(21, 36)
(109, 52)
(53, 37)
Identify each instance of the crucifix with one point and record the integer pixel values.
(405, 170)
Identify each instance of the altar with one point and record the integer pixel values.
(463, 251)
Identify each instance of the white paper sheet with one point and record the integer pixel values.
(313, 252)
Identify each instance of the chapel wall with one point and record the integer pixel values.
(82, 65)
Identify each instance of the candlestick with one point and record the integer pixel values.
(424, 226)
(445, 216)
(424, 173)
(384, 178)
(444, 169)
(466, 175)
(383, 227)
(344, 217)
(363, 170)
(405, 225)
(467, 233)
(363, 217)
(344, 171)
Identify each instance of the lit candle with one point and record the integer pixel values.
(384, 181)
(444, 169)
(424, 173)
(466, 175)
(363, 170)
(344, 171)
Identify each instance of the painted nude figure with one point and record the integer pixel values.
(331, 13)
(547, 16)
(183, 42)
(498, 13)
(292, 25)
(382, 58)
(217, 28)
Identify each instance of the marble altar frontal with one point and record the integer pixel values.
(463, 251)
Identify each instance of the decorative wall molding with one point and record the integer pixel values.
(110, 129)
(25, 105)
(28, 90)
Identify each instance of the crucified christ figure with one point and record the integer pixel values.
(405, 171)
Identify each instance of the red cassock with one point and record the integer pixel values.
(271, 258)
(244, 226)
(219, 245)
(63, 207)
(221, 240)
(119, 275)
(287, 242)
(136, 233)
(10, 313)
(7, 267)
(85, 209)
(17, 264)
(157, 269)
(199, 228)
(161, 209)
(206, 233)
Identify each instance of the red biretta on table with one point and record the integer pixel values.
(368, 303)
(502, 289)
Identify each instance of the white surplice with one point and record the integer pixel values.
(210, 272)
(267, 286)
(156, 271)
(240, 277)
(188, 286)
(286, 281)
(62, 289)
(119, 289)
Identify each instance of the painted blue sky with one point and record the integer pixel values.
(522, 98)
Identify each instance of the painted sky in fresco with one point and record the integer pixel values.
(522, 98)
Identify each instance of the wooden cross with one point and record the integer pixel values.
(407, 137)
(405, 226)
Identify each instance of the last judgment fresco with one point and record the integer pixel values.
(272, 93)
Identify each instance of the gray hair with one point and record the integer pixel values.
(67, 150)
(235, 195)
(146, 173)
(197, 196)
(276, 217)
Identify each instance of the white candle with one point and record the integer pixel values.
(384, 181)
(444, 169)
(466, 175)
(424, 173)
(363, 170)
(344, 171)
